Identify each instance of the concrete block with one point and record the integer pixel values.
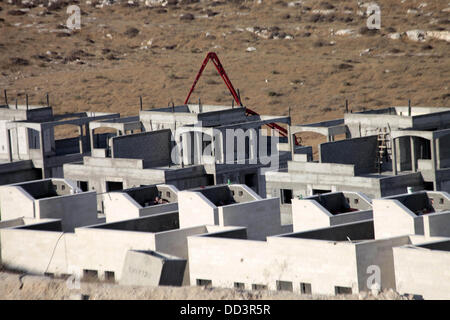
(151, 268)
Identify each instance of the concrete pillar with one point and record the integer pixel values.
(291, 141)
(179, 152)
(8, 144)
(253, 146)
(198, 147)
(438, 154)
(413, 154)
(41, 141)
(433, 154)
(213, 145)
(394, 157)
(219, 147)
(41, 138)
(91, 138)
(88, 142)
(80, 138)
(186, 145)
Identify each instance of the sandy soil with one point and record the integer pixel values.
(24, 287)
(123, 51)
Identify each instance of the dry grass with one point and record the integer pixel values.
(315, 71)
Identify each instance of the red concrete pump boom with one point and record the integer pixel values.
(215, 59)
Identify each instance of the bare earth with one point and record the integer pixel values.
(123, 51)
(14, 286)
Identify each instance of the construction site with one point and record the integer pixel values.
(227, 196)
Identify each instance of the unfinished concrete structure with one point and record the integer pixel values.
(231, 205)
(323, 261)
(416, 139)
(103, 247)
(338, 259)
(139, 202)
(99, 249)
(423, 213)
(227, 234)
(187, 146)
(332, 260)
(329, 209)
(421, 269)
(49, 199)
(29, 148)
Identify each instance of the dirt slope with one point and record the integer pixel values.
(15, 286)
(123, 51)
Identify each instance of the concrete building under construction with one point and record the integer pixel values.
(200, 195)
(382, 153)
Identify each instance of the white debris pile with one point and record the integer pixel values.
(146, 44)
(421, 35)
(269, 33)
(345, 32)
(156, 3)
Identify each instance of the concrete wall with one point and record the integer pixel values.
(101, 248)
(262, 217)
(74, 210)
(377, 254)
(195, 209)
(120, 206)
(14, 172)
(175, 242)
(437, 224)
(399, 184)
(153, 147)
(444, 151)
(16, 203)
(309, 214)
(422, 272)
(322, 264)
(358, 151)
(39, 251)
(391, 218)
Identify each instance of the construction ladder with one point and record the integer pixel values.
(384, 148)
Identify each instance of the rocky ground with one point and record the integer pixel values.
(308, 55)
(24, 287)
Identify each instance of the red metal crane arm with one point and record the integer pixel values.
(215, 59)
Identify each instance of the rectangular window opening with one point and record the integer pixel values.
(305, 288)
(259, 287)
(113, 186)
(342, 290)
(284, 286)
(239, 285)
(110, 276)
(286, 196)
(204, 282)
